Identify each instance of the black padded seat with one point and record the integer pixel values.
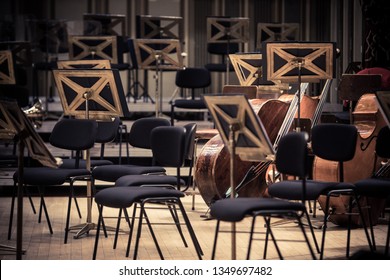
(138, 180)
(111, 173)
(139, 137)
(125, 197)
(293, 189)
(374, 187)
(288, 161)
(69, 134)
(189, 103)
(235, 210)
(70, 162)
(46, 176)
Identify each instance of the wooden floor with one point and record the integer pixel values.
(41, 245)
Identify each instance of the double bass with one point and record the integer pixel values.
(368, 120)
(212, 166)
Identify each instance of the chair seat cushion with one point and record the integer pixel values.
(111, 173)
(291, 189)
(46, 176)
(234, 210)
(123, 197)
(70, 163)
(189, 103)
(374, 187)
(138, 180)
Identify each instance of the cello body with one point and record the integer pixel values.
(212, 167)
(368, 120)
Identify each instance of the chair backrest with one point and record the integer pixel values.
(382, 146)
(168, 145)
(291, 156)
(222, 48)
(139, 135)
(193, 78)
(333, 141)
(74, 134)
(107, 130)
(190, 140)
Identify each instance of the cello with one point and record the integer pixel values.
(368, 120)
(212, 166)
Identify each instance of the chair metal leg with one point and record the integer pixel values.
(100, 207)
(268, 223)
(312, 232)
(43, 206)
(118, 224)
(68, 216)
(173, 211)
(215, 240)
(190, 229)
(251, 237)
(305, 236)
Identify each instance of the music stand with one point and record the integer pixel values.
(227, 30)
(21, 52)
(271, 32)
(90, 94)
(158, 55)
(242, 133)
(159, 27)
(108, 22)
(383, 101)
(301, 62)
(353, 86)
(7, 73)
(94, 47)
(248, 68)
(84, 64)
(14, 123)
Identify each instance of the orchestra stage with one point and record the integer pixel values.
(41, 245)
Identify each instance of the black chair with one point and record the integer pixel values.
(106, 133)
(334, 142)
(70, 134)
(166, 155)
(377, 186)
(222, 50)
(123, 197)
(191, 78)
(139, 137)
(288, 161)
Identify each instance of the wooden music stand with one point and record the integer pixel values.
(383, 100)
(242, 133)
(271, 32)
(84, 64)
(7, 73)
(90, 94)
(353, 86)
(102, 88)
(158, 55)
(21, 52)
(108, 22)
(14, 123)
(159, 27)
(301, 62)
(227, 30)
(94, 47)
(248, 68)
